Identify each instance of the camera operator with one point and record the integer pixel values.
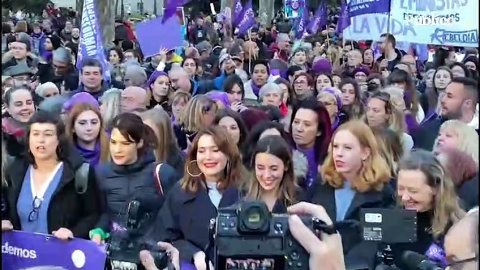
(326, 252)
(148, 262)
(423, 186)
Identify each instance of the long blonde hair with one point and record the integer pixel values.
(166, 141)
(334, 54)
(446, 206)
(396, 117)
(194, 113)
(467, 137)
(110, 101)
(375, 171)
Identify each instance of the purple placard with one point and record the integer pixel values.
(153, 35)
(24, 250)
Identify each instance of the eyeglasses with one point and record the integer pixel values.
(36, 203)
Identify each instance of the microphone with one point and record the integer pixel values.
(414, 261)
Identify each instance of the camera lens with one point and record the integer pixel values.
(254, 217)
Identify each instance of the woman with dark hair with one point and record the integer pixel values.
(441, 77)
(414, 113)
(303, 87)
(160, 90)
(459, 70)
(261, 130)
(212, 169)
(20, 108)
(352, 100)
(471, 62)
(233, 86)
(190, 65)
(311, 132)
(443, 57)
(274, 180)
(45, 193)
(131, 175)
(232, 122)
(260, 76)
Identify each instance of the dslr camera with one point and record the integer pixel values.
(250, 235)
(126, 246)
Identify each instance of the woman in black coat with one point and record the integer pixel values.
(51, 190)
(213, 165)
(354, 176)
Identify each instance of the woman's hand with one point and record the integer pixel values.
(97, 239)
(63, 234)
(6, 225)
(199, 261)
(325, 254)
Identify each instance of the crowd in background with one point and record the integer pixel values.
(224, 119)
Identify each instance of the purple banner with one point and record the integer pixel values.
(344, 20)
(154, 35)
(24, 250)
(91, 45)
(301, 25)
(319, 19)
(361, 7)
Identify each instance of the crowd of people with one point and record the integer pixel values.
(314, 126)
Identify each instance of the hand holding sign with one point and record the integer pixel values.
(6, 225)
(63, 234)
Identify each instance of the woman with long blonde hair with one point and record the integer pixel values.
(382, 113)
(167, 150)
(458, 135)
(200, 112)
(354, 175)
(334, 55)
(425, 187)
(110, 105)
(86, 129)
(273, 181)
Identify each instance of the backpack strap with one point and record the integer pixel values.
(81, 178)
(158, 181)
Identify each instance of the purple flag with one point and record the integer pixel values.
(91, 45)
(248, 19)
(237, 11)
(24, 250)
(171, 8)
(319, 19)
(301, 26)
(358, 8)
(344, 20)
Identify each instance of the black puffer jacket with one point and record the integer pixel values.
(122, 184)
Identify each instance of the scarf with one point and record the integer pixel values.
(312, 166)
(283, 109)
(93, 156)
(255, 88)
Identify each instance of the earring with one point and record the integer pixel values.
(188, 170)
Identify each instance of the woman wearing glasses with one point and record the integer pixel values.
(49, 190)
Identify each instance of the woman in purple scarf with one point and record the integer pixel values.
(311, 132)
(85, 128)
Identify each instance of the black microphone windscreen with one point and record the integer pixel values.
(412, 259)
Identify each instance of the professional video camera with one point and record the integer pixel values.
(250, 235)
(388, 226)
(126, 246)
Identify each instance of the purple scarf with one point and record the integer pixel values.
(48, 55)
(92, 156)
(412, 124)
(437, 254)
(255, 88)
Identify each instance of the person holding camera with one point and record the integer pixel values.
(275, 182)
(424, 186)
(213, 166)
(354, 176)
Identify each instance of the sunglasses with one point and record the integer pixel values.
(36, 203)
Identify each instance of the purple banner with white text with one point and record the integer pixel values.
(24, 250)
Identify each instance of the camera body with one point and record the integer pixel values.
(250, 232)
(126, 246)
